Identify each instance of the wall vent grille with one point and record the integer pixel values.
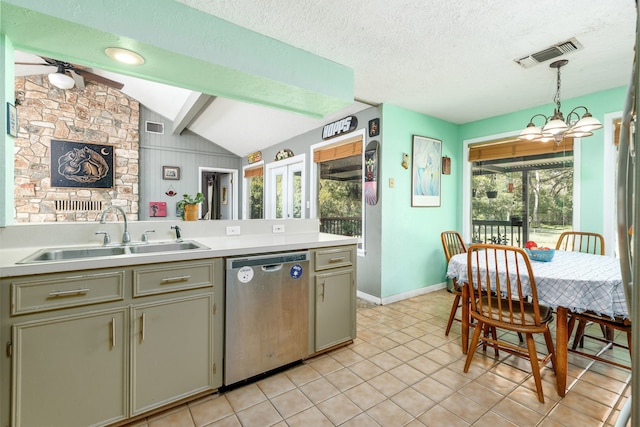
(549, 53)
(154, 127)
(79, 205)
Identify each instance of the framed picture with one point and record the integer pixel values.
(426, 171)
(82, 165)
(170, 172)
(12, 120)
(223, 198)
(374, 127)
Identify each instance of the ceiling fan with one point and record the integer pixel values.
(67, 75)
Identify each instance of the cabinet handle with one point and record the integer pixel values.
(113, 332)
(334, 260)
(175, 279)
(70, 292)
(322, 293)
(142, 327)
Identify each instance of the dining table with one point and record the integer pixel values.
(571, 281)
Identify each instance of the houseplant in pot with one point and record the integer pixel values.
(189, 206)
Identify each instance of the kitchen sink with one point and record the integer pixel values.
(66, 254)
(165, 247)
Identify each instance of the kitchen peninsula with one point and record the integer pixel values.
(104, 340)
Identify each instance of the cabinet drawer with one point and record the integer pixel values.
(172, 277)
(32, 296)
(333, 258)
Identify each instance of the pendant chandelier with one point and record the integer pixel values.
(555, 127)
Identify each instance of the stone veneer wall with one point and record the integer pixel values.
(95, 114)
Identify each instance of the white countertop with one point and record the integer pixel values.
(255, 242)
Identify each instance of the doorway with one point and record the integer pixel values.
(219, 187)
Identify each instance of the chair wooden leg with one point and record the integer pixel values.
(535, 366)
(549, 341)
(452, 315)
(474, 343)
(578, 339)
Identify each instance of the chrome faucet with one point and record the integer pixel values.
(178, 236)
(126, 238)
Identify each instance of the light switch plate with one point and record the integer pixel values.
(392, 182)
(233, 230)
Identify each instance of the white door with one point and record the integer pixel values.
(285, 193)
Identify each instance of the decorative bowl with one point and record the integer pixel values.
(540, 255)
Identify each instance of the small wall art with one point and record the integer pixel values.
(426, 171)
(12, 120)
(374, 127)
(170, 172)
(157, 209)
(81, 164)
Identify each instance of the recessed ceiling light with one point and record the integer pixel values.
(123, 55)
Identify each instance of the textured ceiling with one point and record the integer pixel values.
(450, 59)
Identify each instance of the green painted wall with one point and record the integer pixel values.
(412, 256)
(6, 151)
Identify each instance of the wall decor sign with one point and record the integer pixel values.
(346, 125)
(371, 173)
(285, 153)
(12, 120)
(82, 164)
(374, 127)
(426, 171)
(254, 157)
(170, 172)
(157, 209)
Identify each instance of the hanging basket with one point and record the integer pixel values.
(492, 194)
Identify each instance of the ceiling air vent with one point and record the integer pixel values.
(154, 127)
(552, 52)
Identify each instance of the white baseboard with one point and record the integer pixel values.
(402, 296)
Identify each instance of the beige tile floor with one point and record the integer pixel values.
(403, 371)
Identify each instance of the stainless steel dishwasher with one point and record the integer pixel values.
(267, 313)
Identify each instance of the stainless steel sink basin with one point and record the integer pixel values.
(66, 254)
(165, 247)
(63, 254)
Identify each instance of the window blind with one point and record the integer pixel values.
(346, 148)
(513, 147)
(251, 172)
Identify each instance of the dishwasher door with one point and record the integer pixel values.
(267, 313)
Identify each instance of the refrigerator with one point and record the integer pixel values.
(628, 215)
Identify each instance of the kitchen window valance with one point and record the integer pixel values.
(251, 172)
(512, 147)
(345, 148)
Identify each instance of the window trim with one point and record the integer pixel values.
(466, 179)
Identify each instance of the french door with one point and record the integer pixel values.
(285, 189)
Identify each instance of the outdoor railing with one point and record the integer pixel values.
(344, 226)
(498, 232)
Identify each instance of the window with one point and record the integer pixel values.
(253, 203)
(521, 192)
(339, 187)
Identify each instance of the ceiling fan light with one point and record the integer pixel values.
(555, 127)
(530, 133)
(124, 56)
(587, 123)
(61, 80)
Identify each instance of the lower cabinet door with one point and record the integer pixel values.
(71, 371)
(172, 351)
(335, 308)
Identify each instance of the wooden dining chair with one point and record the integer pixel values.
(453, 245)
(581, 241)
(593, 243)
(503, 296)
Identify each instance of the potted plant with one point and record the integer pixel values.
(189, 206)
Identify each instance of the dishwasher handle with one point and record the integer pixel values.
(271, 268)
